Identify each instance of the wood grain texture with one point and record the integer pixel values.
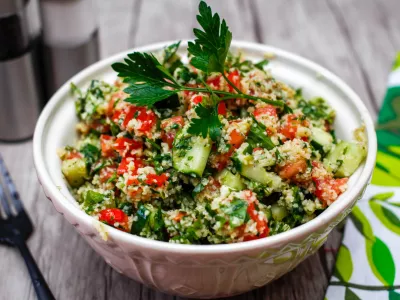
(356, 39)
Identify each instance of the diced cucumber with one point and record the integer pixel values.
(345, 158)
(321, 139)
(227, 178)
(353, 157)
(74, 171)
(190, 154)
(259, 174)
(335, 157)
(278, 212)
(90, 199)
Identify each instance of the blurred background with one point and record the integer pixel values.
(43, 43)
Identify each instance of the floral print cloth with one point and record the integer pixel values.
(368, 261)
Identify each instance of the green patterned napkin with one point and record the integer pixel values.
(368, 261)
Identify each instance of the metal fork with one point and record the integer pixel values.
(15, 229)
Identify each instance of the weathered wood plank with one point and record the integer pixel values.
(372, 31)
(311, 29)
(159, 20)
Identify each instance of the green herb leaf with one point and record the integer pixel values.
(170, 51)
(75, 91)
(211, 45)
(208, 122)
(198, 188)
(126, 208)
(91, 154)
(260, 65)
(257, 136)
(93, 197)
(237, 212)
(142, 215)
(146, 78)
(156, 220)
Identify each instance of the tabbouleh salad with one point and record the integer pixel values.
(213, 150)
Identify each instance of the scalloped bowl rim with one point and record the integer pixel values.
(305, 229)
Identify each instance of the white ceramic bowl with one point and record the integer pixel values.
(209, 270)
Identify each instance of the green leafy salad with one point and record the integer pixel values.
(206, 150)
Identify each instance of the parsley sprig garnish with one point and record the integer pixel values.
(150, 82)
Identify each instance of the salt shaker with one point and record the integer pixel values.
(70, 34)
(21, 94)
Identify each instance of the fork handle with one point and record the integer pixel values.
(43, 292)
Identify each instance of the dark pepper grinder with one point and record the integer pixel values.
(21, 95)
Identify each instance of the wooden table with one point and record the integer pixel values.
(356, 39)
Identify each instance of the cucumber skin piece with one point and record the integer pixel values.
(75, 171)
(322, 138)
(278, 212)
(351, 156)
(194, 161)
(336, 154)
(231, 180)
(260, 175)
(354, 156)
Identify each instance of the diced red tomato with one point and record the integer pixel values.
(132, 181)
(146, 117)
(106, 173)
(221, 160)
(262, 226)
(106, 143)
(222, 108)
(266, 110)
(234, 77)
(99, 127)
(174, 120)
(292, 169)
(116, 116)
(116, 96)
(189, 94)
(257, 148)
(179, 216)
(197, 99)
(73, 154)
(328, 189)
(125, 145)
(158, 180)
(215, 81)
(123, 165)
(236, 138)
(110, 107)
(289, 130)
(168, 137)
(114, 215)
(130, 113)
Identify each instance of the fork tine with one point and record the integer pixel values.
(4, 202)
(16, 201)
